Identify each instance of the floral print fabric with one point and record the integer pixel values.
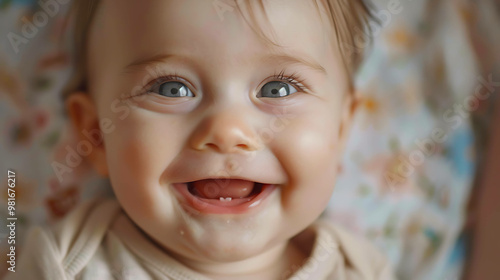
(407, 171)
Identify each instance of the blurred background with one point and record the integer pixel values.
(421, 174)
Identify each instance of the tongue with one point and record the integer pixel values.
(215, 188)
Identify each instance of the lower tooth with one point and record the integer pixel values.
(225, 199)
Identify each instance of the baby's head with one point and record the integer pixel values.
(255, 95)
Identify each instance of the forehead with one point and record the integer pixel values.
(210, 30)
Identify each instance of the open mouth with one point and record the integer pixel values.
(226, 196)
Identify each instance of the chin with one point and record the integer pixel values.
(230, 251)
(229, 240)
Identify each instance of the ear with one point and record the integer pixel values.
(82, 113)
(350, 105)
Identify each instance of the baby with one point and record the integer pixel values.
(220, 125)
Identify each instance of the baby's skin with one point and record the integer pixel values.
(219, 144)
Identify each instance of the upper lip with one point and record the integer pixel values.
(229, 177)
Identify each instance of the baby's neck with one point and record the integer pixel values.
(275, 264)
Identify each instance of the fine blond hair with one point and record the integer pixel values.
(348, 17)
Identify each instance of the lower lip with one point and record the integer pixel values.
(213, 206)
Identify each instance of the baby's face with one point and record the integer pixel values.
(194, 93)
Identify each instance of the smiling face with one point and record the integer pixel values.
(187, 95)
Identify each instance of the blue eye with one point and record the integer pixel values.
(173, 89)
(277, 89)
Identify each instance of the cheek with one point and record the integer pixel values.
(308, 144)
(138, 152)
(307, 151)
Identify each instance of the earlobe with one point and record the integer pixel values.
(82, 114)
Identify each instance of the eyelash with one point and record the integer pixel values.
(292, 79)
(148, 88)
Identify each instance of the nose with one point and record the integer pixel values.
(226, 131)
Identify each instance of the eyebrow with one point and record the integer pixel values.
(143, 62)
(296, 59)
(286, 58)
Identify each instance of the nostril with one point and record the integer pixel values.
(243, 146)
(212, 146)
